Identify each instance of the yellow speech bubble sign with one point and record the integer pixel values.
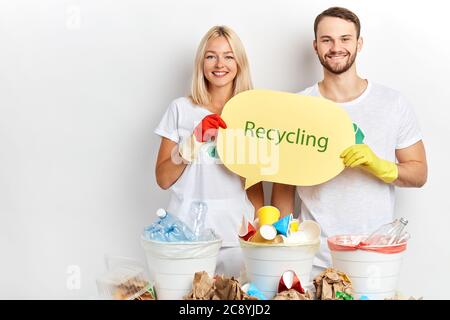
(283, 137)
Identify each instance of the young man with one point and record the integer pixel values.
(361, 198)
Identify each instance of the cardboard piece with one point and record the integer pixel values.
(218, 288)
(202, 287)
(331, 281)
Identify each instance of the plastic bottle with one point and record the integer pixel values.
(197, 215)
(174, 228)
(168, 228)
(197, 221)
(154, 232)
(388, 234)
(164, 218)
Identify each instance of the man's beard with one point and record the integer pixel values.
(339, 69)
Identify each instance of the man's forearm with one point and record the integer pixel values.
(411, 174)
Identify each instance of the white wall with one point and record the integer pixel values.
(83, 84)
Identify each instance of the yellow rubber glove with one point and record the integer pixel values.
(362, 155)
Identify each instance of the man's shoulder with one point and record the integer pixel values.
(310, 91)
(385, 91)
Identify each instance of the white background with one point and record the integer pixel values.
(84, 83)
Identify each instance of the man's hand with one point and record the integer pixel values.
(362, 155)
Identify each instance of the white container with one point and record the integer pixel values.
(265, 263)
(373, 274)
(172, 265)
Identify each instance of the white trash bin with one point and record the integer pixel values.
(265, 263)
(373, 274)
(172, 265)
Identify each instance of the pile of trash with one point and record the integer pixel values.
(218, 288)
(169, 228)
(332, 284)
(125, 279)
(270, 228)
(222, 288)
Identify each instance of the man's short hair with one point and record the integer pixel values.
(338, 12)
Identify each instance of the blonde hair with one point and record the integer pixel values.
(242, 81)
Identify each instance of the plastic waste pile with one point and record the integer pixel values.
(269, 228)
(169, 228)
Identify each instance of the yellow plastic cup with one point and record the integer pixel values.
(293, 227)
(268, 215)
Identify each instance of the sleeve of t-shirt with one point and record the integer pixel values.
(168, 126)
(409, 130)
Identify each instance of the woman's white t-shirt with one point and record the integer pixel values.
(206, 178)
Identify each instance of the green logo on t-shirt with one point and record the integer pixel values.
(359, 135)
(212, 152)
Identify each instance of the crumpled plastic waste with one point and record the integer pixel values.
(343, 296)
(125, 282)
(169, 228)
(253, 291)
(282, 230)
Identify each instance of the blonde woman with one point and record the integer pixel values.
(188, 129)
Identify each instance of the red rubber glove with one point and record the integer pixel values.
(208, 127)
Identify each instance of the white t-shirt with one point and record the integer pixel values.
(355, 202)
(206, 178)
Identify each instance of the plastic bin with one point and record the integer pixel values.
(172, 265)
(373, 274)
(265, 263)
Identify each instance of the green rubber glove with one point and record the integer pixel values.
(362, 155)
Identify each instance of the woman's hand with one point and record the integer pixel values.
(208, 127)
(205, 131)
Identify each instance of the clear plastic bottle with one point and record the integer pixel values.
(154, 232)
(197, 221)
(165, 218)
(197, 216)
(388, 234)
(168, 228)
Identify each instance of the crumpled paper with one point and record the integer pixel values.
(218, 288)
(400, 296)
(292, 294)
(331, 281)
(202, 287)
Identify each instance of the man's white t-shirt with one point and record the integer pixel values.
(206, 178)
(355, 202)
